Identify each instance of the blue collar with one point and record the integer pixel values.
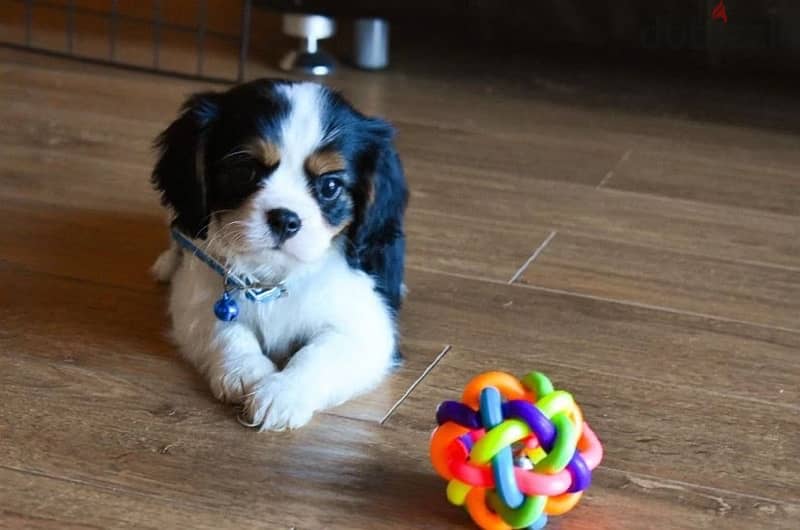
(253, 290)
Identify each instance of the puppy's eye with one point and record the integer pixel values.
(241, 173)
(330, 187)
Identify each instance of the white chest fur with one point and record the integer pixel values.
(343, 329)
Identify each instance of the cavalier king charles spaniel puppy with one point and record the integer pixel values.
(283, 187)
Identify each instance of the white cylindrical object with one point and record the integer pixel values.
(313, 27)
(371, 46)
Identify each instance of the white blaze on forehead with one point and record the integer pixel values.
(287, 187)
(301, 133)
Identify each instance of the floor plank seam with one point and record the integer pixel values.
(533, 257)
(665, 309)
(101, 485)
(118, 489)
(624, 158)
(694, 203)
(576, 231)
(640, 305)
(567, 187)
(85, 281)
(735, 261)
(506, 226)
(416, 383)
(688, 388)
(605, 180)
(690, 485)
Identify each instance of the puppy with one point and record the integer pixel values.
(288, 186)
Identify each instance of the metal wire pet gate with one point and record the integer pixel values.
(115, 15)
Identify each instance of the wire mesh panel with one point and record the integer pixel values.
(206, 39)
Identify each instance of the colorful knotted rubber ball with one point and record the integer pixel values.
(514, 451)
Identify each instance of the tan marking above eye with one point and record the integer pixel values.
(327, 161)
(266, 152)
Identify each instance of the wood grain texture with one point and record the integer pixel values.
(540, 156)
(56, 240)
(85, 321)
(141, 439)
(102, 425)
(696, 354)
(468, 246)
(700, 228)
(740, 291)
(736, 175)
(38, 502)
(659, 438)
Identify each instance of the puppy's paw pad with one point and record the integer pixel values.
(277, 403)
(231, 383)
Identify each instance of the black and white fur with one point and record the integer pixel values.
(334, 335)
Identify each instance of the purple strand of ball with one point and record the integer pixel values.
(459, 413)
(545, 433)
(539, 423)
(580, 472)
(541, 426)
(466, 441)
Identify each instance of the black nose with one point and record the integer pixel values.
(284, 223)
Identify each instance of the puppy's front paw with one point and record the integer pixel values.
(231, 381)
(278, 403)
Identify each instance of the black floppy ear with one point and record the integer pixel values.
(179, 172)
(376, 237)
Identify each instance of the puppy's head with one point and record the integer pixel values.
(279, 171)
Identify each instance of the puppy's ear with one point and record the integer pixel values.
(377, 241)
(179, 173)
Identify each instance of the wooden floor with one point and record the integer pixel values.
(648, 262)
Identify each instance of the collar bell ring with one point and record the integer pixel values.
(226, 308)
